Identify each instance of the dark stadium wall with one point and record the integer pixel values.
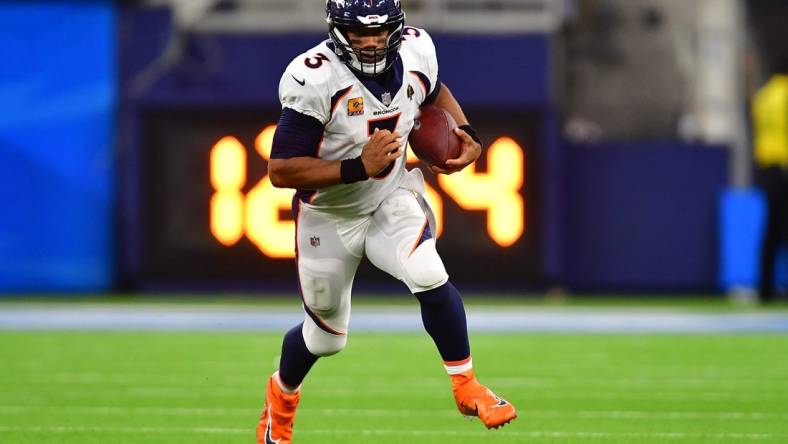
(604, 217)
(58, 91)
(506, 76)
(244, 69)
(643, 216)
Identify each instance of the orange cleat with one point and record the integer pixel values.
(474, 399)
(276, 423)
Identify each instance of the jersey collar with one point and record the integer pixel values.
(389, 82)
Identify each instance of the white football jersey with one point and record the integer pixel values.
(318, 84)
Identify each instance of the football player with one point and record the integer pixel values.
(349, 104)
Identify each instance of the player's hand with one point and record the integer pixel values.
(470, 152)
(382, 149)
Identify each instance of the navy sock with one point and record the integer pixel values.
(444, 319)
(296, 359)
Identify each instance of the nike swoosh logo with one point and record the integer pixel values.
(300, 82)
(268, 439)
(501, 402)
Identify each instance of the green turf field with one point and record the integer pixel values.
(115, 387)
(705, 303)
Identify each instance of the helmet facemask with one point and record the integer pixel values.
(368, 61)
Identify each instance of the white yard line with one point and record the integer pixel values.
(390, 432)
(140, 430)
(159, 392)
(547, 434)
(533, 413)
(135, 379)
(129, 411)
(167, 392)
(133, 382)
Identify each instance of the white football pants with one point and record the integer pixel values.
(396, 239)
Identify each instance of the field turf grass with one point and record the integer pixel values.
(200, 388)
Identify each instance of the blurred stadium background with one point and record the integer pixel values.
(133, 149)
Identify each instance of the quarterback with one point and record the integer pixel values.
(348, 105)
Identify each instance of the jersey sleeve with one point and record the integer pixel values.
(303, 90)
(423, 46)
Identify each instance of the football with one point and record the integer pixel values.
(432, 138)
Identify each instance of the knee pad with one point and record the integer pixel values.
(320, 294)
(320, 342)
(424, 267)
(319, 297)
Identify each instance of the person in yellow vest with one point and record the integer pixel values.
(770, 119)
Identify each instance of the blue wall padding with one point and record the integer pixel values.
(244, 69)
(57, 90)
(643, 216)
(742, 225)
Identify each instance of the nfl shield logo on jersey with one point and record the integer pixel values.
(386, 99)
(314, 241)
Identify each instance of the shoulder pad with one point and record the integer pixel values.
(314, 65)
(303, 86)
(418, 41)
(419, 44)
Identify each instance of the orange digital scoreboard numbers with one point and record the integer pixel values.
(256, 213)
(208, 213)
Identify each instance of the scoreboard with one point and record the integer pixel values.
(210, 212)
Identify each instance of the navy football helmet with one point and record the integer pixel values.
(365, 17)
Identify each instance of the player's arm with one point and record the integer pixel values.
(294, 162)
(441, 96)
(471, 145)
(304, 172)
(445, 99)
